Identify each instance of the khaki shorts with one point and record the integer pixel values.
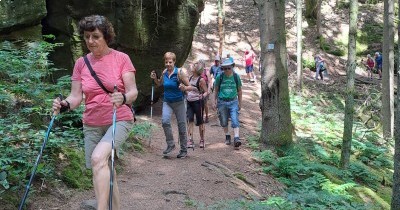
(95, 134)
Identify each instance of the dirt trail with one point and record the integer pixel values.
(149, 181)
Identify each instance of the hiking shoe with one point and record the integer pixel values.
(182, 154)
(237, 142)
(227, 139)
(201, 144)
(169, 149)
(190, 143)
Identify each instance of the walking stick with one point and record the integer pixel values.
(114, 121)
(28, 186)
(201, 113)
(152, 98)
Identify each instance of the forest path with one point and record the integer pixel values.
(149, 181)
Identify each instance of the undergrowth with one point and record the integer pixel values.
(310, 168)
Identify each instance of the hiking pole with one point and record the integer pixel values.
(28, 186)
(114, 122)
(201, 113)
(151, 106)
(152, 97)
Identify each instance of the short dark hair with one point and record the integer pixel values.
(93, 22)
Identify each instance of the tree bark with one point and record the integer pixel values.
(274, 103)
(319, 19)
(221, 27)
(396, 159)
(349, 103)
(388, 70)
(299, 18)
(311, 11)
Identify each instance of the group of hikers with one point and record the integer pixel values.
(373, 65)
(106, 79)
(187, 97)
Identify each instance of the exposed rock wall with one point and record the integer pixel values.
(145, 29)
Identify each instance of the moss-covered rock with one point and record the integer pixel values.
(19, 14)
(145, 31)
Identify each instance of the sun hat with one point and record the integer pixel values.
(217, 58)
(227, 62)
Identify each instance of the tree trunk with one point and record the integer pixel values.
(396, 174)
(387, 70)
(319, 18)
(299, 19)
(351, 66)
(311, 11)
(221, 27)
(274, 103)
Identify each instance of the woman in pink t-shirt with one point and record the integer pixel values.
(112, 68)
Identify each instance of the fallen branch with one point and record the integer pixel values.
(243, 185)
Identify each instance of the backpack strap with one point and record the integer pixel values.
(197, 83)
(235, 77)
(94, 75)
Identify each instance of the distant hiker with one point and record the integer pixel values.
(378, 64)
(229, 57)
(174, 82)
(370, 66)
(228, 100)
(249, 57)
(215, 69)
(207, 77)
(319, 66)
(112, 68)
(196, 94)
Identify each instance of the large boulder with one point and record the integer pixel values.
(21, 18)
(145, 31)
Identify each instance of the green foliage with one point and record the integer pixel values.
(344, 4)
(338, 48)
(142, 130)
(310, 170)
(73, 172)
(308, 63)
(26, 96)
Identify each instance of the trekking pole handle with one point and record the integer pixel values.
(61, 97)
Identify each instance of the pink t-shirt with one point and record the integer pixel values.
(109, 69)
(248, 57)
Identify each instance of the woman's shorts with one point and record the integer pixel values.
(195, 108)
(249, 68)
(95, 134)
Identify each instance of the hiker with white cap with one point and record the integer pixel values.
(228, 100)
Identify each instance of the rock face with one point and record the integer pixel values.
(145, 29)
(21, 18)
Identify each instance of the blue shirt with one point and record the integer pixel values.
(172, 93)
(378, 60)
(215, 70)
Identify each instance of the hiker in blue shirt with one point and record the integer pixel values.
(378, 64)
(174, 82)
(228, 100)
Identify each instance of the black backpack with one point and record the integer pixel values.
(197, 83)
(235, 77)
